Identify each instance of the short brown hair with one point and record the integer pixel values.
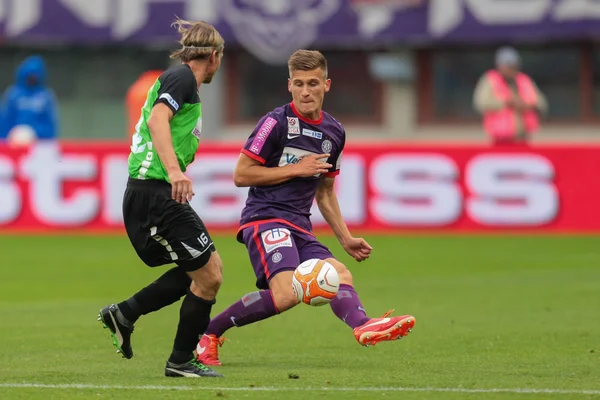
(307, 60)
(199, 40)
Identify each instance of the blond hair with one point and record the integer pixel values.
(307, 60)
(198, 40)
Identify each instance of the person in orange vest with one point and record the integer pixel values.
(136, 97)
(509, 100)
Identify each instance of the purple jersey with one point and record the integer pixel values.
(284, 137)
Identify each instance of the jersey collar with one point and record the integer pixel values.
(304, 119)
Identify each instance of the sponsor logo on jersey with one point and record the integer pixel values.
(276, 238)
(292, 155)
(263, 133)
(293, 127)
(171, 101)
(312, 134)
(197, 131)
(137, 146)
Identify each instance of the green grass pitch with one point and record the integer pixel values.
(498, 317)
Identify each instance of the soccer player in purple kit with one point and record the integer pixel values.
(291, 158)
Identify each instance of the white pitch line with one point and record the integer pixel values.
(296, 389)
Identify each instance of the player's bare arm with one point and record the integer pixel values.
(329, 206)
(158, 123)
(250, 172)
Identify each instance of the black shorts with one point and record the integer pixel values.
(161, 230)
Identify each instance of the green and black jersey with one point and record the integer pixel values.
(176, 88)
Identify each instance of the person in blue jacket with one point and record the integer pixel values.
(30, 102)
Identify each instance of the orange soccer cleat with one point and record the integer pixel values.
(381, 329)
(207, 350)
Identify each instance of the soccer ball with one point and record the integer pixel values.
(315, 282)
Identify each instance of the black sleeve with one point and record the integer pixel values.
(176, 88)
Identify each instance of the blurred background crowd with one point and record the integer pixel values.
(410, 70)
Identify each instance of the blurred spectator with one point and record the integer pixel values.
(509, 100)
(29, 107)
(136, 97)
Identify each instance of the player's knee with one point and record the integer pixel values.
(283, 294)
(284, 299)
(217, 281)
(282, 291)
(207, 286)
(214, 281)
(345, 276)
(343, 272)
(214, 274)
(207, 280)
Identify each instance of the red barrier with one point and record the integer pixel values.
(383, 187)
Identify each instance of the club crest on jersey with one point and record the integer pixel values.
(293, 126)
(326, 146)
(276, 238)
(277, 257)
(312, 134)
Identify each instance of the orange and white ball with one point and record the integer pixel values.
(315, 282)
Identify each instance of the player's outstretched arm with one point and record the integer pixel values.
(251, 172)
(160, 130)
(328, 204)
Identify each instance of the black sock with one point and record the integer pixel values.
(166, 290)
(194, 317)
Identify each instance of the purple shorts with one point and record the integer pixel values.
(274, 247)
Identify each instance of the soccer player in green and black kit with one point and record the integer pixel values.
(161, 225)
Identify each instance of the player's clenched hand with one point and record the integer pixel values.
(181, 187)
(312, 165)
(358, 248)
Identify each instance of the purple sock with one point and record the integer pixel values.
(347, 307)
(251, 308)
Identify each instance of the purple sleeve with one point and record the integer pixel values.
(335, 159)
(264, 140)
